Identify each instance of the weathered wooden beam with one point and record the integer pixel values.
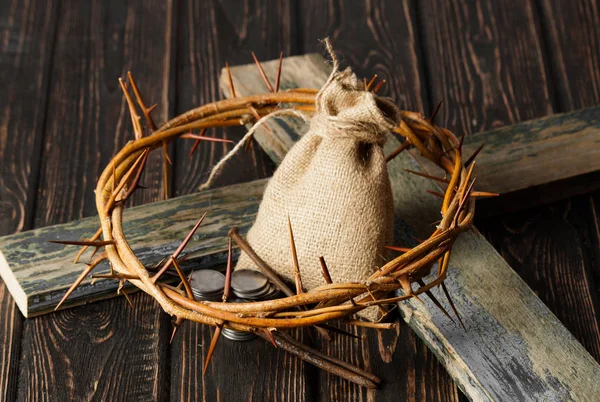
(38, 273)
(514, 348)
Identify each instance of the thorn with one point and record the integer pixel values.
(472, 158)
(365, 82)
(179, 250)
(378, 86)
(338, 331)
(197, 142)
(368, 86)
(136, 179)
(452, 305)
(398, 150)
(278, 72)
(428, 176)
(325, 270)
(80, 279)
(204, 138)
(297, 277)
(257, 117)
(141, 103)
(270, 336)
(186, 285)
(435, 193)
(176, 325)
(435, 111)
(227, 287)
(83, 242)
(114, 276)
(401, 249)
(151, 108)
(262, 73)
(121, 290)
(461, 142)
(135, 119)
(231, 89)
(435, 300)
(483, 194)
(95, 237)
(213, 345)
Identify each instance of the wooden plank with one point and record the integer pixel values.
(43, 271)
(90, 353)
(500, 356)
(383, 39)
(210, 34)
(25, 52)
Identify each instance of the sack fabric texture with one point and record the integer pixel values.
(334, 187)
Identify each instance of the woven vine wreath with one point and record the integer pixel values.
(317, 307)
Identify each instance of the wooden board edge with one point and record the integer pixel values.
(13, 286)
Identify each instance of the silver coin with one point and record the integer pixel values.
(238, 336)
(207, 282)
(252, 295)
(248, 281)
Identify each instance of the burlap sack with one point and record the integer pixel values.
(334, 186)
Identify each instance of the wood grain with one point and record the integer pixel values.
(26, 43)
(109, 349)
(209, 34)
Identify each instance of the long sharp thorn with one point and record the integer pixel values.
(428, 176)
(178, 250)
(483, 194)
(368, 86)
(184, 281)
(176, 325)
(227, 287)
(211, 349)
(297, 277)
(204, 138)
(452, 305)
(324, 270)
(270, 337)
(97, 243)
(365, 82)
(197, 142)
(378, 86)
(278, 72)
(262, 73)
(121, 290)
(435, 301)
(436, 193)
(136, 180)
(435, 111)
(231, 88)
(461, 142)
(79, 279)
(338, 331)
(472, 157)
(95, 237)
(398, 151)
(140, 102)
(257, 117)
(401, 249)
(135, 119)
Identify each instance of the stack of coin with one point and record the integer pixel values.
(235, 335)
(252, 285)
(207, 284)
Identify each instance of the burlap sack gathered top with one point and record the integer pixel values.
(334, 187)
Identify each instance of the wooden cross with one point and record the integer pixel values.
(514, 347)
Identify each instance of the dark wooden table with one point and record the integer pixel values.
(63, 116)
